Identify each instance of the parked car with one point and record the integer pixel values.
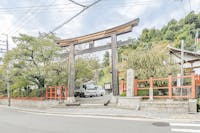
(86, 90)
(100, 91)
(90, 91)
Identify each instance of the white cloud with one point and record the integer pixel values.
(157, 13)
(70, 29)
(35, 21)
(45, 22)
(6, 22)
(195, 5)
(138, 9)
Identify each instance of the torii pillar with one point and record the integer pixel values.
(71, 75)
(115, 86)
(112, 32)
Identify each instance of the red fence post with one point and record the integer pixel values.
(66, 92)
(193, 86)
(151, 88)
(170, 86)
(55, 92)
(50, 92)
(122, 86)
(135, 87)
(47, 93)
(61, 89)
(151, 82)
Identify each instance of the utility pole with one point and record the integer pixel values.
(7, 77)
(182, 64)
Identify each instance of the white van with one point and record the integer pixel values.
(86, 90)
(100, 91)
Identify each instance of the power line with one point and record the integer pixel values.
(27, 7)
(73, 9)
(27, 20)
(39, 10)
(23, 19)
(76, 15)
(77, 3)
(18, 22)
(45, 8)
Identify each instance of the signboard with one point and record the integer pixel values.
(107, 86)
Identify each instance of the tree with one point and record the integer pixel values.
(145, 37)
(150, 62)
(31, 62)
(106, 59)
(84, 70)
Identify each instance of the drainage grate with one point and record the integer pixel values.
(161, 124)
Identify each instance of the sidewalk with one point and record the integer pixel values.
(111, 112)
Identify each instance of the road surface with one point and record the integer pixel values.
(14, 121)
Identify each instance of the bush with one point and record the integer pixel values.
(15, 94)
(28, 93)
(143, 92)
(123, 94)
(37, 93)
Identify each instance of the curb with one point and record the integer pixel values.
(87, 114)
(95, 115)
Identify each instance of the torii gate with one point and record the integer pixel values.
(91, 38)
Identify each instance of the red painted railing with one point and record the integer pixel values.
(170, 88)
(56, 92)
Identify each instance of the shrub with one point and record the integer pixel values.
(123, 94)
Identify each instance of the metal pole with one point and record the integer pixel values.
(182, 64)
(7, 69)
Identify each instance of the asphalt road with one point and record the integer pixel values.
(13, 121)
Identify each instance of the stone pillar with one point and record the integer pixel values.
(71, 75)
(130, 83)
(178, 83)
(192, 106)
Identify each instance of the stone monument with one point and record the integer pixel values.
(130, 83)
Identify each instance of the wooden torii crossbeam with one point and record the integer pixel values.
(113, 33)
(118, 30)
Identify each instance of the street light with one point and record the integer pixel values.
(7, 78)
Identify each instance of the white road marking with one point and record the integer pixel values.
(185, 124)
(185, 127)
(185, 130)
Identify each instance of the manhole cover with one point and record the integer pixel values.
(161, 124)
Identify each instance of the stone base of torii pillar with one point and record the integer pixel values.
(71, 101)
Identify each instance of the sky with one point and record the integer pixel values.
(34, 16)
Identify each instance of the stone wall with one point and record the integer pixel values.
(30, 103)
(129, 102)
(162, 105)
(165, 106)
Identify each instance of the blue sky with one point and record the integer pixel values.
(44, 15)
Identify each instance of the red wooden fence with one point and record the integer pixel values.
(170, 88)
(56, 92)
